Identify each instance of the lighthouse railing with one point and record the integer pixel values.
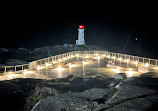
(49, 60)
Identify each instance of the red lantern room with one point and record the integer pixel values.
(81, 26)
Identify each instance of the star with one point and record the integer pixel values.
(136, 39)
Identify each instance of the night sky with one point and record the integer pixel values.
(132, 33)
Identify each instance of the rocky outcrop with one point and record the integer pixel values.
(80, 94)
(83, 101)
(131, 94)
(47, 91)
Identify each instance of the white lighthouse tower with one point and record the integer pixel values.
(80, 40)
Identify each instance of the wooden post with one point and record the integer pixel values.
(5, 70)
(45, 61)
(48, 59)
(15, 69)
(52, 59)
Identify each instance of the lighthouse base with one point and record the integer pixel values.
(79, 42)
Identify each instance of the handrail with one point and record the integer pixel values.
(64, 55)
(14, 66)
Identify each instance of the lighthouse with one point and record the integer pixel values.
(80, 40)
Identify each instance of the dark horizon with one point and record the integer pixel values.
(127, 33)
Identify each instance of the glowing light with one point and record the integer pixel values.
(96, 54)
(87, 57)
(68, 57)
(77, 56)
(81, 26)
(60, 60)
(98, 57)
(130, 69)
(38, 67)
(127, 60)
(130, 72)
(27, 72)
(120, 59)
(24, 72)
(10, 72)
(113, 57)
(71, 65)
(85, 62)
(54, 62)
(103, 55)
(136, 62)
(64, 58)
(72, 56)
(11, 76)
(108, 56)
(59, 68)
(47, 64)
(146, 65)
(117, 70)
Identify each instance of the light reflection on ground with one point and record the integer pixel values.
(90, 69)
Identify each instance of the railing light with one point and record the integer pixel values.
(127, 60)
(146, 65)
(113, 57)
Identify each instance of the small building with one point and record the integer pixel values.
(80, 40)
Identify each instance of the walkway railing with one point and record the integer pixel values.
(11, 69)
(110, 55)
